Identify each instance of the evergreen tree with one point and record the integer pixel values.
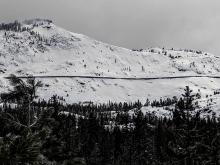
(23, 92)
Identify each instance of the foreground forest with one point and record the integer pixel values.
(53, 133)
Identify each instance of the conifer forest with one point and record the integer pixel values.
(38, 132)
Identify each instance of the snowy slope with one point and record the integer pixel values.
(47, 50)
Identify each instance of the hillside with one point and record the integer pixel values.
(40, 48)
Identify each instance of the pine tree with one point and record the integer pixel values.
(23, 92)
(23, 149)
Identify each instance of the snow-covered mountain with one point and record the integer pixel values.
(40, 48)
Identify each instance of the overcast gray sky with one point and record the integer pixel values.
(129, 23)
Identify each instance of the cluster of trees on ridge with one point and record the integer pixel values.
(15, 26)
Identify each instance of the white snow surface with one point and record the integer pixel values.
(48, 50)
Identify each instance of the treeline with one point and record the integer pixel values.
(164, 51)
(53, 133)
(15, 26)
(163, 102)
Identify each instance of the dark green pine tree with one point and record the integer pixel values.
(184, 117)
(20, 149)
(24, 93)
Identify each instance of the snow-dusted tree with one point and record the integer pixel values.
(23, 92)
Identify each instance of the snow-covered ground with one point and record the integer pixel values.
(48, 50)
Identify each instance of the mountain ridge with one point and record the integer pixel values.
(40, 48)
